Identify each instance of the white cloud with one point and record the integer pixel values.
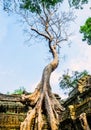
(81, 60)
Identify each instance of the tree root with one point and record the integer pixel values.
(44, 104)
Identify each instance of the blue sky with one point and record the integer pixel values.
(21, 65)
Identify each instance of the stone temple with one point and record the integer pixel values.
(13, 111)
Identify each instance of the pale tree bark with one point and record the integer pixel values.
(84, 122)
(46, 108)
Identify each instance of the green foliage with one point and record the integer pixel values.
(70, 81)
(35, 5)
(86, 30)
(77, 3)
(19, 91)
(30, 5)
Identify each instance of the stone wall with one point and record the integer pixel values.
(12, 112)
(11, 121)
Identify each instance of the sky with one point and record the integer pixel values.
(22, 65)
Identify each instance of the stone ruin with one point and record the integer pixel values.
(13, 111)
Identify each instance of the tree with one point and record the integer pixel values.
(86, 30)
(77, 3)
(46, 21)
(68, 81)
(19, 91)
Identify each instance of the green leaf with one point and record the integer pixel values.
(35, 5)
(78, 3)
(86, 30)
(70, 81)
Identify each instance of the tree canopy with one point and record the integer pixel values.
(70, 80)
(35, 6)
(86, 30)
(77, 3)
(19, 91)
(44, 19)
(40, 6)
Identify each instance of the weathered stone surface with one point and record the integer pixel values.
(12, 112)
(78, 102)
(11, 121)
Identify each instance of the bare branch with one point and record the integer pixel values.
(42, 19)
(42, 34)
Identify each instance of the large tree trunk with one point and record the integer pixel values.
(46, 108)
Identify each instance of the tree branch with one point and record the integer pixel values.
(41, 34)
